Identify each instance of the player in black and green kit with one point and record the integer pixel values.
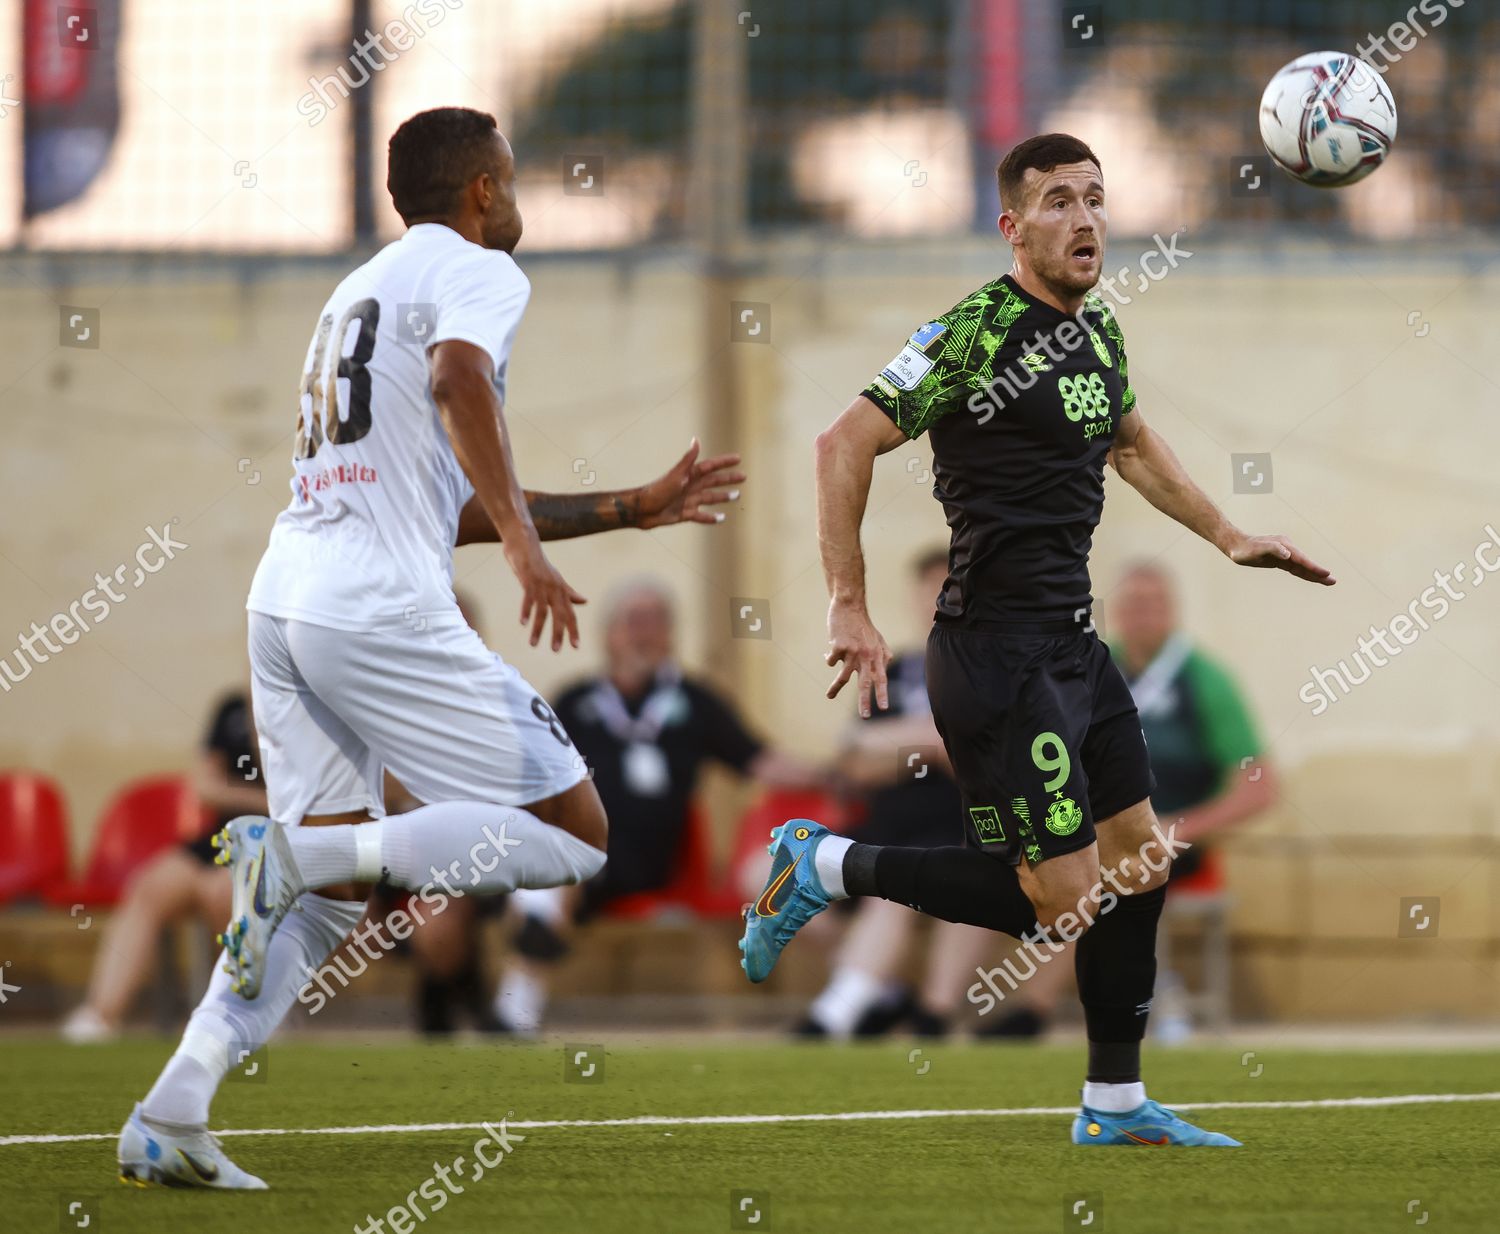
(1024, 390)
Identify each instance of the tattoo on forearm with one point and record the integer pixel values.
(561, 516)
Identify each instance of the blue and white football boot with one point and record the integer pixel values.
(1150, 1124)
(792, 896)
(266, 886)
(150, 1154)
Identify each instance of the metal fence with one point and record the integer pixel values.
(173, 124)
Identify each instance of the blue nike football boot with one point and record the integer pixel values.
(792, 897)
(1150, 1124)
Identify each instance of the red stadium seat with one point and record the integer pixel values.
(33, 835)
(694, 888)
(691, 881)
(1206, 880)
(754, 833)
(778, 805)
(145, 817)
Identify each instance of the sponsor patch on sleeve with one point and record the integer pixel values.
(906, 371)
(885, 387)
(928, 335)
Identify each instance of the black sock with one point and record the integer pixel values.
(1116, 966)
(1114, 1062)
(954, 884)
(435, 1004)
(470, 987)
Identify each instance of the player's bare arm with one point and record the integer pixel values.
(463, 390)
(684, 494)
(846, 451)
(1143, 460)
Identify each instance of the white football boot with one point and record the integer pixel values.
(149, 1154)
(266, 886)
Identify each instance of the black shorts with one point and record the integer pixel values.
(1042, 733)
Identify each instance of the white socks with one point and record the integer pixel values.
(847, 996)
(521, 999)
(459, 846)
(326, 855)
(1114, 1098)
(828, 864)
(547, 904)
(226, 1029)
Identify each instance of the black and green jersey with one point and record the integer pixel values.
(1022, 402)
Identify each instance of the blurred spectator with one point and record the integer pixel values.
(1207, 759)
(896, 759)
(177, 884)
(645, 728)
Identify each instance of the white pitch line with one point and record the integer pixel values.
(740, 1120)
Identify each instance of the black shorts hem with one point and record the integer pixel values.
(1085, 836)
(1107, 810)
(1043, 736)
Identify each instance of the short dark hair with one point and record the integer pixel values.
(1043, 152)
(434, 155)
(929, 559)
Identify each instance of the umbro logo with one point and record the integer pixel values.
(1037, 362)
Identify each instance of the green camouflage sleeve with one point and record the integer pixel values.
(928, 378)
(949, 362)
(1117, 337)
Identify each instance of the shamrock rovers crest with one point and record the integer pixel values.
(1101, 350)
(1063, 816)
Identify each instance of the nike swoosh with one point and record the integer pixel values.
(262, 909)
(206, 1172)
(763, 905)
(1143, 1140)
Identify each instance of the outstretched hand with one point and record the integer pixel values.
(684, 494)
(544, 592)
(1279, 553)
(862, 654)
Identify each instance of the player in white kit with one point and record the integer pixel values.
(360, 659)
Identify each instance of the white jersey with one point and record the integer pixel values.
(367, 540)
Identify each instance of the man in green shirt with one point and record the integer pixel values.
(1205, 753)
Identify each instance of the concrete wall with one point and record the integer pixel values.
(1382, 432)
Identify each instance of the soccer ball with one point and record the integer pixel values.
(1328, 119)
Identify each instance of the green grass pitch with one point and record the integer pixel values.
(1335, 1168)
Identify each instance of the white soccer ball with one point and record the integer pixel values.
(1328, 119)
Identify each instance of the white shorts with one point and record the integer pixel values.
(450, 719)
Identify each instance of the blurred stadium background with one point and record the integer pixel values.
(190, 179)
